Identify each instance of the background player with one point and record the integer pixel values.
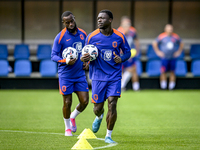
(105, 71)
(129, 66)
(168, 46)
(71, 74)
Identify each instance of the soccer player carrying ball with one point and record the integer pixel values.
(71, 74)
(106, 70)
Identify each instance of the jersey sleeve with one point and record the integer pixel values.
(179, 41)
(86, 40)
(55, 54)
(85, 43)
(126, 50)
(135, 36)
(176, 36)
(134, 32)
(157, 39)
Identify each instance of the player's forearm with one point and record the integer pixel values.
(126, 56)
(56, 58)
(137, 45)
(155, 47)
(181, 47)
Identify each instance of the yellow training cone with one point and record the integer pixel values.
(87, 134)
(82, 144)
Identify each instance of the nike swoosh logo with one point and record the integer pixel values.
(68, 39)
(118, 92)
(98, 43)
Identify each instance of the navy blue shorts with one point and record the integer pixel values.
(168, 65)
(101, 90)
(129, 62)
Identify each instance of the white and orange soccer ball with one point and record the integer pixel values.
(69, 53)
(92, 50)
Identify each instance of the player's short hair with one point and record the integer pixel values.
(108, 12)
(66, 13)
(168, 25)
(125, 17)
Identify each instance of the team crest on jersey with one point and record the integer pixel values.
(64, 88)
(96, 97)
(170, 45)
(114, 44)
(106, 54)
(78, 46)
(81, 36)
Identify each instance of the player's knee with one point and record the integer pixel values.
(85, 102)
(97, 111)
(112, 106)
(67, 103)
(133, 68)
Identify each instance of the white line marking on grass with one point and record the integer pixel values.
(31, 132)
(101, 139)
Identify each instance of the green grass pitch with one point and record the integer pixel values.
(147, 120)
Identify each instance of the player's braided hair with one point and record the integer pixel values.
(66, 13)
(108, 12)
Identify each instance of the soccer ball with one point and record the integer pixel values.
(92, 50)
(69, 53)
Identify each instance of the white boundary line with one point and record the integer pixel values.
(101, 139)
(109, 145)
(30, 132)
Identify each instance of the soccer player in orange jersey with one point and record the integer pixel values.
(168, 46)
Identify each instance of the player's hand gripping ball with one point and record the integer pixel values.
(92, 50)
(69, 53)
